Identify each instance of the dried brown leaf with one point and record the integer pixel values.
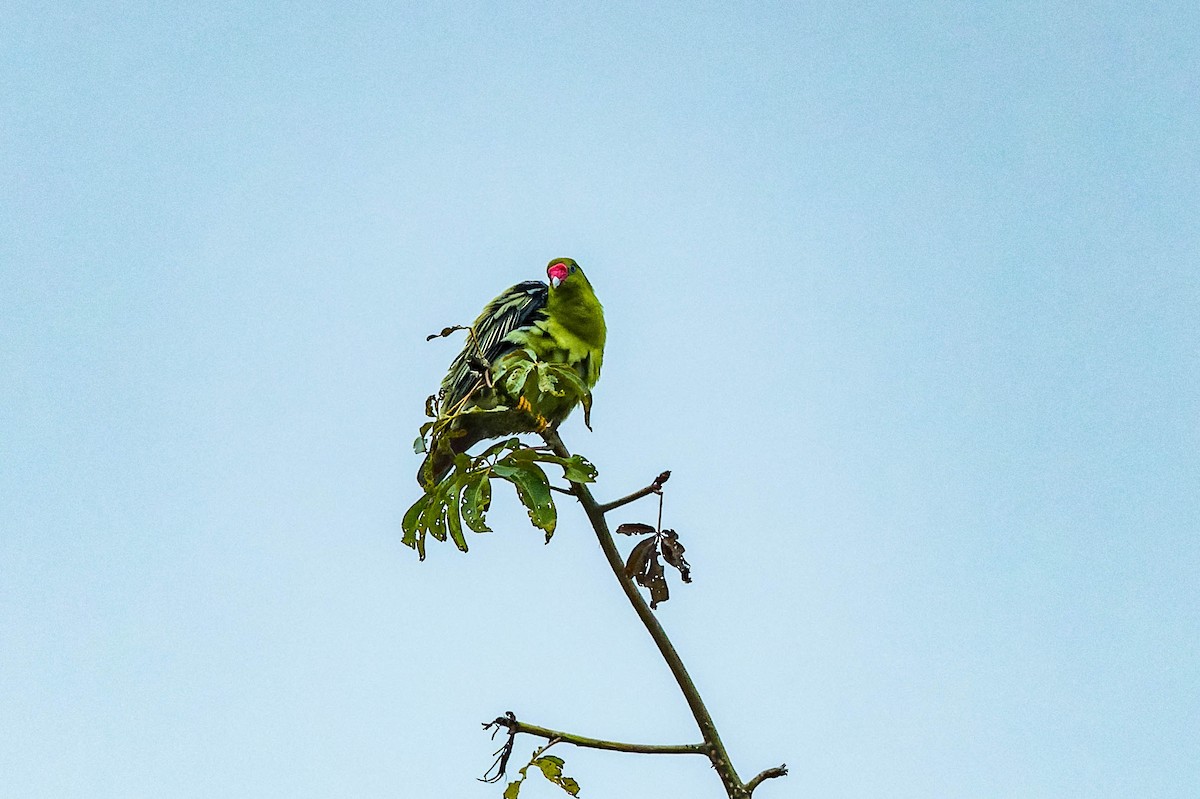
(672, 552)
(634, 528)
(639, 558)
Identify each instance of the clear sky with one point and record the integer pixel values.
(907, 296)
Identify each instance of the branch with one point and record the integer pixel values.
(767, 774)
(708, 729)
(653, 488)
(517, 727)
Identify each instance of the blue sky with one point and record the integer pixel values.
(906, 297)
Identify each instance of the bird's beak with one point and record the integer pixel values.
(557, 274)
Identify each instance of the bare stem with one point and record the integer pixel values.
(766, 774)
(517, 727)
(713, 747)
(653, 488)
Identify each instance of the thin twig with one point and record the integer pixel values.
(766, 774)
(653, 488)
(517, 727)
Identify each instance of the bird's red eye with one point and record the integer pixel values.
(557, 271)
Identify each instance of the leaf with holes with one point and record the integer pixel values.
(552, 769)
(533, 489)
(476, 499)
(578, 469)
(514, 370)
(672, 552)
(655, 579)
(453, 519)
(644, 567)
(548, 382)
(639, 558)
(414, 535)
(433, 518)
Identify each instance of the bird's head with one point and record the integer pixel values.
(564, 270)
(571, 302)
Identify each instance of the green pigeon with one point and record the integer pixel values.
(560, 323)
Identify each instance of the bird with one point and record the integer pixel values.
(558, 322)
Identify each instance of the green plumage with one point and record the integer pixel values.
(561, 323)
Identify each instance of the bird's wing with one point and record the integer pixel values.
(512, 310)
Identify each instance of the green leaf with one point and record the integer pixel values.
(552, 769)
(551, 766)
(419, 445)
(514, 369)
(586, 402)
(453, 519)
(530, 454)
(513, 789)
(533, 489)
(548, 382)
(570, 378)
(433, 517)
(509, 443)
(476, 499)
(578, 469)
(414, 535)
